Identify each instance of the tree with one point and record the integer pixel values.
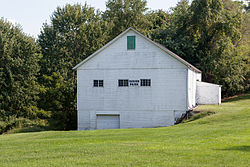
(206, 34)
(122, 14)
(158, 23)
(74, 33)
(217, 27)
(175, 36)
(19, 56)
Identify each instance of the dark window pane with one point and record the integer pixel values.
(119, 82)
(125, 82)
(100, 83)
(95, 83)
(145, 82)
(122, 82)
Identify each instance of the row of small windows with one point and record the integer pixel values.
(125, 82)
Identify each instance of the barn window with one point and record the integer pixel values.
(145, 82)
(130, 42)
(123, 82)
(98, 83)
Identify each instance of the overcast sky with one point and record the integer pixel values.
(31, 14)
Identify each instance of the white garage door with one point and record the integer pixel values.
(108, 121)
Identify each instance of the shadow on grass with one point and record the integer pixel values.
(237, 98)
(194, 115)
(238, 148)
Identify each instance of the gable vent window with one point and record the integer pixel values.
(145, 82)
(130, 42)
(123, 82)
(98, 83)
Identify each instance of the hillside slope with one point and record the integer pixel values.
(222, 139)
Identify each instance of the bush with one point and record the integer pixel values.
(17, 123)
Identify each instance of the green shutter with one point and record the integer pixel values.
(130, 42)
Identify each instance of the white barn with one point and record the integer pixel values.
(133, 82)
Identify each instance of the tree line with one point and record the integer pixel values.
(38, 85)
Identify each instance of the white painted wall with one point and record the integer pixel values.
(208, 93)
(165, 93)
(146, 55)
(137, 106)
(131, 119)
(198, 76)
(191, 88)
(193, 77)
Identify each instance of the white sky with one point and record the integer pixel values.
(31, 14)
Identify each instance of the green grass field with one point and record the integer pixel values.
(221, 139)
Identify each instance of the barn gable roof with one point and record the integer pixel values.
(190, 66)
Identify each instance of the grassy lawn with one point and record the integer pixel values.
(221, 139)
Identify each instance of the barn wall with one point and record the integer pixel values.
(146, 55)
(208, 93)
(132, 119)
(193, 77)
(152, 106)
(166, 92)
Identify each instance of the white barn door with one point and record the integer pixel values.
(108, 122)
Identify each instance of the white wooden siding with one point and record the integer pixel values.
(208, 93)
(145, 55)
(192, 78)
(167, 90)
(131, 119)
(137, 106)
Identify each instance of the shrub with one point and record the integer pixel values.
(13, 122)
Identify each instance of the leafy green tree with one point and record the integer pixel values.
(206, 34)
(74, 33)
(158, 23)
(175, 36)
(217, 27)
(243, 44)
(62, 100)
(19, 56)
(122, 14)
